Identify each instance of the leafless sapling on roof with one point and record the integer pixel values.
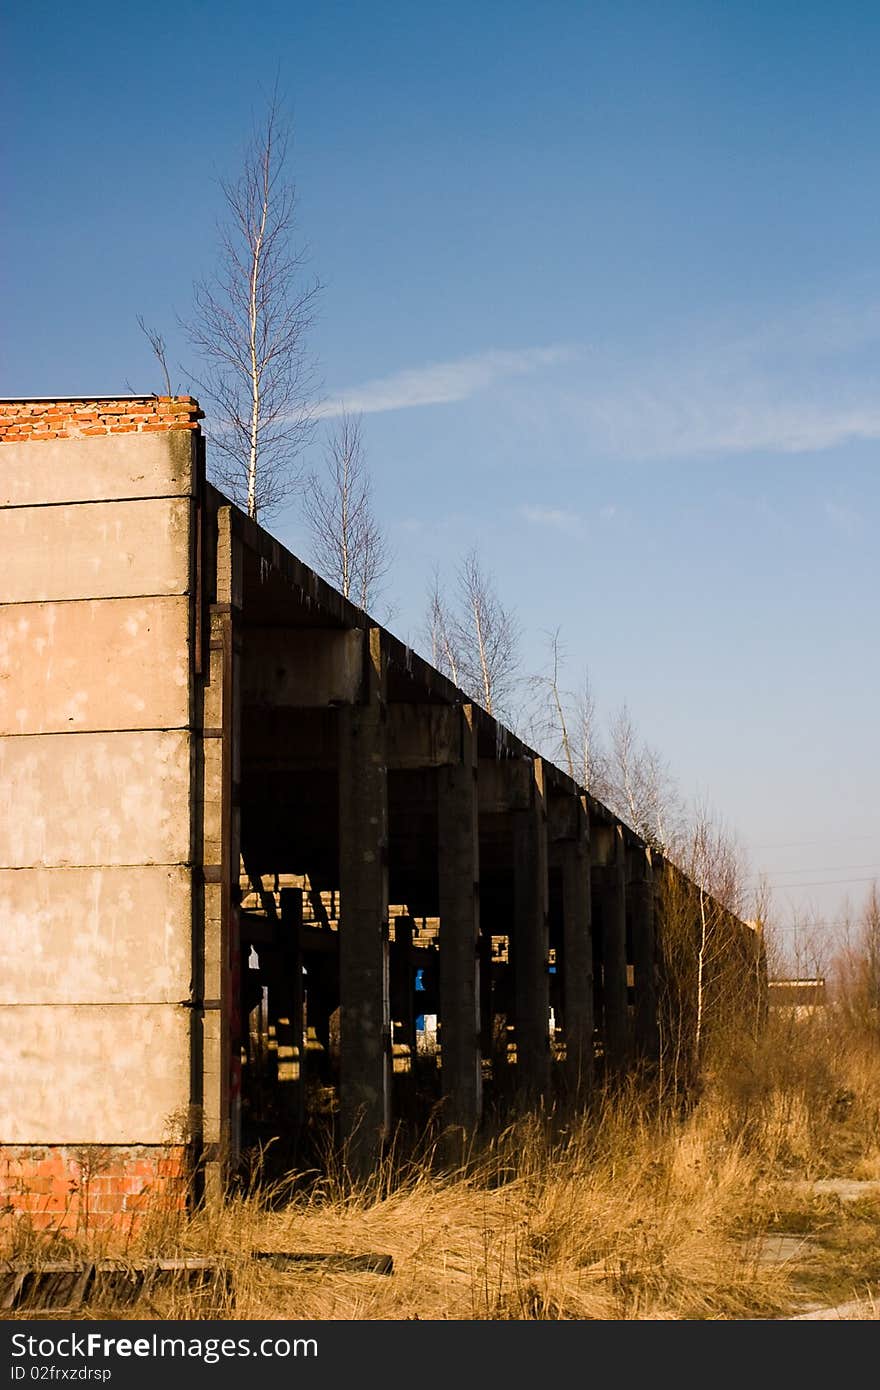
(640, 788)
(474, 638)
(159, 350)
(564, 724)
(349, 546)
(488, 638)
(250, 324)
(550, 716)
(591, 762)
(441, 630)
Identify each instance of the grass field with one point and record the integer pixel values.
(760, 1198)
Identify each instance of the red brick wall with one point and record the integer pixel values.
(88, 1187)
(31, 420)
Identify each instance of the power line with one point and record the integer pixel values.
(809, 924)
(826, 840)
(824, 882)
(821, 869)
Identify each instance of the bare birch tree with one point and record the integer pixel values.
(550, 720)
(441, 631)
(348, 544)
(249, 326)
(565, 722)
(159, 350)
(474, 639)
(640, 788)
(712, 966)
(488, 637)
(589, 754)
(855, 969)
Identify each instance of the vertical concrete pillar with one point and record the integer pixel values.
(100, 897)
(577, 955)
(402, 983)
(640, 892)
(365, 1014)
(531, 942)
(289, 1013)
(218, 951)
(609, 869)
(458, 852)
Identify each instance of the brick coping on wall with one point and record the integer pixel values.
(82, 417)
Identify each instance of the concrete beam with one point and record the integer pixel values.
(564, 819)
(531, 940)
(301, 668)
(365, 1028)
(458, 847)
(505, 784)
(423, 736)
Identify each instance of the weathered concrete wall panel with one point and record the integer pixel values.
(80, 1075)
(93, 665)
(91, 470)
(86, 936)
(107, 550)
(83, 799)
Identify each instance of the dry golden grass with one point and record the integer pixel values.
(632, 1211)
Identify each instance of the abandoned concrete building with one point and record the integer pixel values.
(259, 861)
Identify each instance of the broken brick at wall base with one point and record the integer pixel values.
(80, 1187)
(21, 421)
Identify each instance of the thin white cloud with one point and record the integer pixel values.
(844, 519)
(799, 384)
(686, 419)
(440, 383)
(554, 517)
(806, 381)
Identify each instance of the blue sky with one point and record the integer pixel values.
(604, 279)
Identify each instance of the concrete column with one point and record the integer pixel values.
(609, 868)
(402, 982)
(458, 850)
(217, 966)
(365, 1022)
(577, 955)
(640, 891)
(289, 1010)
(531, 942)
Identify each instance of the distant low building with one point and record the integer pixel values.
(800, 996)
